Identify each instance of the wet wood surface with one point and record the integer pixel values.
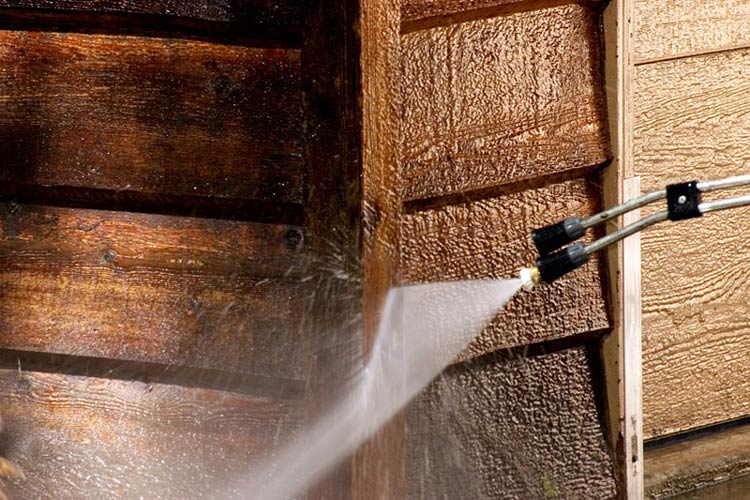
(500, 427)
(378, 468)
(691, 124)
(151, 115)
(667, 29)
(502, 100)
(490, 239)
(84, 437)
(160, 289)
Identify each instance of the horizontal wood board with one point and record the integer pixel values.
(691, 123)
(496, 101)
(254, 12)
(151, 115)
(81, 437)
(666, 29)
(158, 289)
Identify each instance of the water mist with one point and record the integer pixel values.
(422, 329)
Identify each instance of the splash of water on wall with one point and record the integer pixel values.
(422, 330)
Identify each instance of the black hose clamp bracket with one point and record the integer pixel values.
(683, 201)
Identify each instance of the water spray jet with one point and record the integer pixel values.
(683, 202)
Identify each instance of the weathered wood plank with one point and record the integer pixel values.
(151, 115)
(691, 122)
(499, 100)
(254, 12)
(80, 437)
(510, 428)
(419, 9)
(666, 29)
(160, 289)
(490, 239)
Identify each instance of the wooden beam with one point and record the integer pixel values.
(379, 466)
(331, 82)
(631, 385)
(623, 383)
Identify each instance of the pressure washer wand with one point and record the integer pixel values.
(683, 202)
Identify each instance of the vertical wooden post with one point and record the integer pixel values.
(333, 149)
(351, 64)
(630, 351)
(621, 350)
(379, 468)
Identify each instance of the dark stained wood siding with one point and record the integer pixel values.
(86, 437)
(151, 115)
(152, 243)
(160, 289)
(282, 14)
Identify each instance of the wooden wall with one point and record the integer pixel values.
(153, 240)
(690, 101)
(503, 129)
(174, 171)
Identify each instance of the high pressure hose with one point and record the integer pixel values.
(683, 202)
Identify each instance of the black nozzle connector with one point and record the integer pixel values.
(549, 238)
(683, 201)
(561, 263)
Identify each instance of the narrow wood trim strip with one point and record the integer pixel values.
(631, 356)
(488, 192)
(412, 25)
(623, 384)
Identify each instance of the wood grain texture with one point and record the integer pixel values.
(256, 12)
(691, 122)
(425, 14)
(666, 29)
(378, 468)
(158, 289)
(490, 239)
(690, 119)
(150, 115)
(495, 101)
(80, 437)
(516, 429)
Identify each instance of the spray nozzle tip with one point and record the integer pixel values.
(530, 277)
